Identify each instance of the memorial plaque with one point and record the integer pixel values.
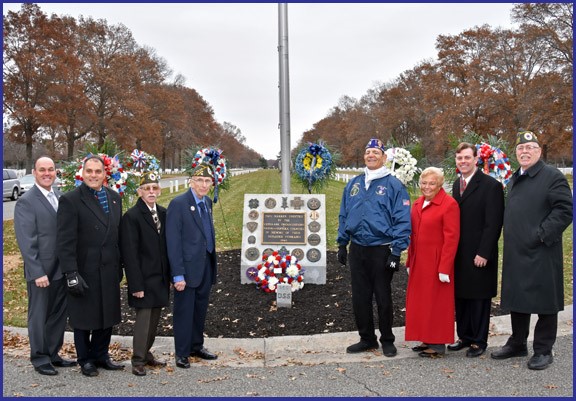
(284, 228)
(252, 253)
(314, 226)
(298, 253)
(284, 295)
(314, 239)
(288, 224)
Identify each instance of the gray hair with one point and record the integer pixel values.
(438, 172)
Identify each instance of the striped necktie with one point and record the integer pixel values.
(462, 185)
(207, 227)
(101, 195)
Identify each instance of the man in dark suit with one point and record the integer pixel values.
(143, 246)
(35, 227)
(88, 249)
(192, 255)
(481, 201)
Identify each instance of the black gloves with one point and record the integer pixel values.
(342, 254)
(76, 284)
(393, 262)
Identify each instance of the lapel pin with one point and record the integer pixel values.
(192, 208)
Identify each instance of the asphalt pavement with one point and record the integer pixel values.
(315, 365)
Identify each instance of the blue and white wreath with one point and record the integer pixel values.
(314, 166)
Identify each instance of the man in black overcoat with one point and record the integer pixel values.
(88, 249)
(481, 201)
(143, 246)
(538, 210)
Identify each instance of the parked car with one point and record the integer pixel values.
(26, 183)
(11, 184)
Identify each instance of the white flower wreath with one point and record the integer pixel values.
(401, 164)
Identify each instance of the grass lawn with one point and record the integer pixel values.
(228, 224)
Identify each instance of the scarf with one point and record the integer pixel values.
(371, 175)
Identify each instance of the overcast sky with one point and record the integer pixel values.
(229, 52)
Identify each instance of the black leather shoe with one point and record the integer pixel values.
(430, 354)
(540, 362)
(420, 347)
(156, 363)
(182, 362)
(88, 369)
(64, 363)
(46, 369)
(458, 345)
(389, 349)
(361, 347)
(204, 354)
(474, 351)
(508, 351)
(139, 370)
(108, 364)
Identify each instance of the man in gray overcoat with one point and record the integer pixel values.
(538, 210)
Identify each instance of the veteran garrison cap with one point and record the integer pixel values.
(376, 143)
(149, 177)
(203, 170)
(525, 137)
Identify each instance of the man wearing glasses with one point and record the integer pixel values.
(192, 255)
(538, 210)
(143, 247)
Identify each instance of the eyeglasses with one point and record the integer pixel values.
(147, 188)
(522, 148)
(207, 181)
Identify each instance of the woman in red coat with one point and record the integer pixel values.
(433, 244)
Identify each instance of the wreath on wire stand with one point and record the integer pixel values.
(213, 157)
(314, 166)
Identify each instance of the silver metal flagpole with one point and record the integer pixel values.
(284, 96)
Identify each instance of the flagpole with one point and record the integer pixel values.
(284, 97)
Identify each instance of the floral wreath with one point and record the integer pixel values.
(142, 162)
(116, 178)
(401, 164)
(494, 162)
(213, 157)
(278, 268)
(314, 165)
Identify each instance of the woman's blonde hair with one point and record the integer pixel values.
(438, 172)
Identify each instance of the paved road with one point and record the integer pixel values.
(312, 366)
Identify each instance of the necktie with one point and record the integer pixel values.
(207, 227)
(103, 199)
(52, 200)
(462, 185)
(156, 220)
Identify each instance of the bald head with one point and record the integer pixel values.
(44, 172)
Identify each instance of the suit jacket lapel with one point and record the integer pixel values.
(147, 214)
(93, 204)
(43, 200)
(195, 212)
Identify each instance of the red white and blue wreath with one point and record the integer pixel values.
(214, 158)
(494, 162)
(314, 166)
(275, 269)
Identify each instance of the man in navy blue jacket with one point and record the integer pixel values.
(375, 219)
(192, 255)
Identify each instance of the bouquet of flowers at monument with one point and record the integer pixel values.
(116, 177)
(275, 269)
(401, 164)
(213, 157)
(494, 162)
(314, 166)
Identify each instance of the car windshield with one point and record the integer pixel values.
(27, 179)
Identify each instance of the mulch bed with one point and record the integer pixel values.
(241, 311)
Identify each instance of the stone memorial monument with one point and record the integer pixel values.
(293, 223)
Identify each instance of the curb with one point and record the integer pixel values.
(312, 349)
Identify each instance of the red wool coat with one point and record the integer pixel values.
(433, 245)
